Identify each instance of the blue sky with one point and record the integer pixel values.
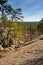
(32, 9)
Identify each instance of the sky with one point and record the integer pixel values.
(32, 10)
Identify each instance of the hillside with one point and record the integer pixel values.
(31, 54)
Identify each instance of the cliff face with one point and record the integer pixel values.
(31, 54)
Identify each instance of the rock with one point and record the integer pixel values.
(41, 37)
(6, 49)
(9, 48)
(21, 43)
(13, 46)
(1, 48)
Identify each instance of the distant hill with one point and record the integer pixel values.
(28, 23)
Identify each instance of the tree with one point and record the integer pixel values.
(5, 7)
(3, 4)
(16, 14)
(40, 26)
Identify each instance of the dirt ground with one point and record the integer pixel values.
(31, 54)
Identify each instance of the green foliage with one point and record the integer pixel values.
(5, 22)
(34, 27)
(16, 30)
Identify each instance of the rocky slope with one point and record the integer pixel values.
(31, 54)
